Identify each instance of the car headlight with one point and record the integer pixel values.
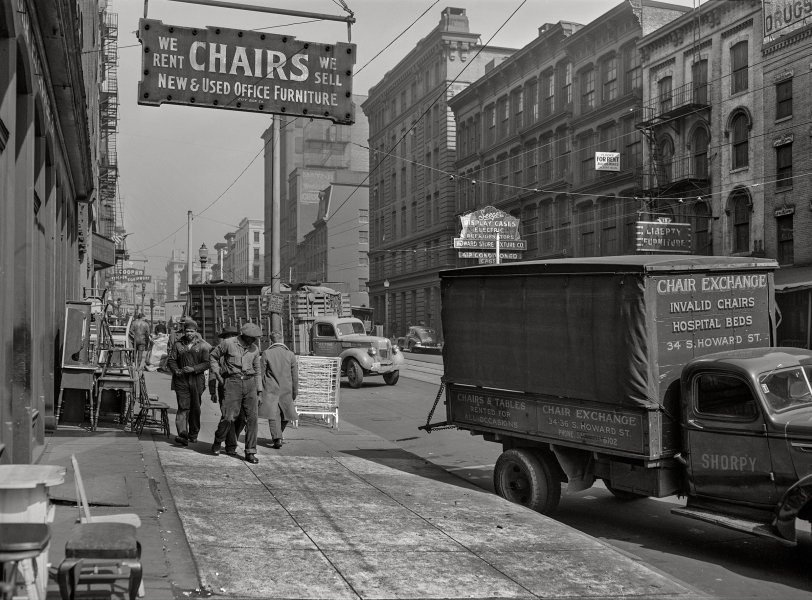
(371, 351)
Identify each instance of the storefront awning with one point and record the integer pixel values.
(104, 252)
(793, 278)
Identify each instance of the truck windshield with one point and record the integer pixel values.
(787, 389)
(350, 328)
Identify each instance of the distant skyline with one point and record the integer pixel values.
(173, 159)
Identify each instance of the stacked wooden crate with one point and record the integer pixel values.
(303, 306)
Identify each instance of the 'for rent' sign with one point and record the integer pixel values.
(245, 70)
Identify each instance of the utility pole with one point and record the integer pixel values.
(188, 249)
(276, 203)
(143, 294)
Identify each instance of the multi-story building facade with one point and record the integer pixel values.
(412, 150)
(312, 153)
(335, 251)
(247, 253)
(701, 115)
(786, 150)
(176, 275)
(529, 129)
(48, 182)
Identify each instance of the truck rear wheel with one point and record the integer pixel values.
(392, 377)
(355, 374)
(525, 478)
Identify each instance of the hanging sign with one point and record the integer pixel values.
(245, 70)
(479, 231)
(673, 238)
(607, 161)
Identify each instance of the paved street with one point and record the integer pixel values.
(719, 562)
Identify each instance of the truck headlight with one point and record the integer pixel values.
(371, 351)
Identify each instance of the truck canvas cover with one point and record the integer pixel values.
(611, 330)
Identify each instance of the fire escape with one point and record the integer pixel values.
(669, 173)
(108, 123)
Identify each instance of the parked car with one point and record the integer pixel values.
(361, 355)
(420, 339)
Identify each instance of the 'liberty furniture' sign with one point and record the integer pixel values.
(245, 70)
(673, 238)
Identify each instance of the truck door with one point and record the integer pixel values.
(325, 340)
(726, 440)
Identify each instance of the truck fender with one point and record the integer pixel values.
(792, 503)
(360, 355)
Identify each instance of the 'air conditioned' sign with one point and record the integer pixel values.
(245, 70)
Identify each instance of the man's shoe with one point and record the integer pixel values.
(277, 444)
(215, 449)
(192, 440)
(252, 458)
(181, 440)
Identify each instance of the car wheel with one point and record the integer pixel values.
(355, 374)
(392, 377)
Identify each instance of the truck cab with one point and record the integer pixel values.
(747, 437)
(361, 355)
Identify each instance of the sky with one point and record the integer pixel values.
(174, 159)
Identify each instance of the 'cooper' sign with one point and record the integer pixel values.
(245, 70)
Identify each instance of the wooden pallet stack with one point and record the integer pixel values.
(303, 306)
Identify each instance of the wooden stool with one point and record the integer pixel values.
(93, 547)
(20, 543)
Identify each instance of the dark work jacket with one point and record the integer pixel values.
(197, 356)
(280, 382)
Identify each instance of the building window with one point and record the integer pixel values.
(738, 67)
(363, 215)
(547, 228)
(609, 240)
(783, 99)
(630, 218)
(741, 145)
(256, 237)
(436, 207)
(783, 166)
(587, 81)
(666, 167)
(632, 73)
(363, 259)
(532, 103)
(699, 74)
(565, 78)
(546, 158)
(783, 226)
(548, 93)
(741, 223)
(632, 158)
(586, 230)
(256, 271)
(664, 95)
(702, 237)
(609, 73)
(503, 108)
(562, 147)
(256, 253)
(530, 163)
(699, 148)
(490, 124)
(587, 158)
(517, 100)
(363, 237)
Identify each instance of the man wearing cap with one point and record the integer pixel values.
(218, 393)
(188, 360)
(236, 363)
(280, 381)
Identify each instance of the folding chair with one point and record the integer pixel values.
(101, 541)
(152, 413)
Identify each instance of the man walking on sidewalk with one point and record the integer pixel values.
(236, 363)
(188, 360)
(280, 380)
(218, 393)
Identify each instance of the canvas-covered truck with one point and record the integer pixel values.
(654, 374)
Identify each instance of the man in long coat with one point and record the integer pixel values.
(280, 382)
(187, 361)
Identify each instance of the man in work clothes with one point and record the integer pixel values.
(236, 362)
(188, 360)
(139, 330)
(218, 393)
(280, 381)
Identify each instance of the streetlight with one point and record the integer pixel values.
(386, 306)
(203, 254)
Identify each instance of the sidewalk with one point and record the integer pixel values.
(334, 514)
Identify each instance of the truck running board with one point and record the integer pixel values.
(737, 524)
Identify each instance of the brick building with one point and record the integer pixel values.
(529, 130)
(787, 152)
(412, 149)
